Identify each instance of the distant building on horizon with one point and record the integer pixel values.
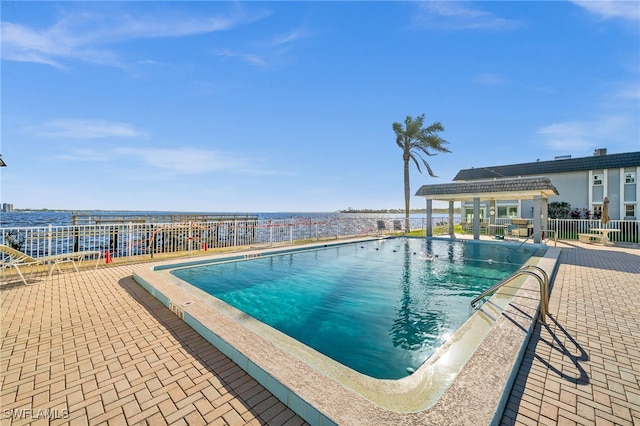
(7, 208)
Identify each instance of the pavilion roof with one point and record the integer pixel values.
(496, 189)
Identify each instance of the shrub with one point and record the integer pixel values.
(559, 210)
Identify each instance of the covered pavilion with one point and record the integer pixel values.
(538, 189)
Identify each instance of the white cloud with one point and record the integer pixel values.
(249, 58)
(628, 91)
(272, 51)
(565, 136)
(490, 79)
(184, 160)
(580, 136)
(152, 160)
(608, 9)
(22, 44)
(455, 15)
(83, 156)
(85, 129)
(291, 37)
(170, 163)
(82, 36)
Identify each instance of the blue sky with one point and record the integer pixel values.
(288, 106)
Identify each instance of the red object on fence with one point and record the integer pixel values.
(205, 246)
(107, 257)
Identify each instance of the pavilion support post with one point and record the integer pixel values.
(429, 218)
(492, 212)
(451, 211)
(537, 220)
(476, 218)
(545, 214)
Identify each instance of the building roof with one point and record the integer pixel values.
(498, 189)
(541, 168)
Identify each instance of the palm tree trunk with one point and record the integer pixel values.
(407, 196)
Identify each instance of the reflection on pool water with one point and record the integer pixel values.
(380, 307)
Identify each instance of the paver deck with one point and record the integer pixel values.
(94, 348)
(583, 368)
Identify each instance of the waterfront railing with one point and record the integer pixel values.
(150, 239)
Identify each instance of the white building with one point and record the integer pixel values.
(581, 182)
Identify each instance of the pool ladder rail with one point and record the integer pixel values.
(535, 271)
(542, 232)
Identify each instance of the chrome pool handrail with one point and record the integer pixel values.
(525, 270)
(542, 234)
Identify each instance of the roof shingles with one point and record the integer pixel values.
(540, 168)
(489, 186)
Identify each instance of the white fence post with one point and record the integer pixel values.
(130, 239)
(291, 232)
(50, 240)
(270, 232)
(235, 232)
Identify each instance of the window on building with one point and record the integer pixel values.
(469, 215)
(630, 211)
(508, 211)
(629, 177)
(597, 179)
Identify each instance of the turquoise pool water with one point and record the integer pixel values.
(379, 307)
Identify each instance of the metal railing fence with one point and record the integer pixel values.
(568, 229)
(139, 239)
(148, 239)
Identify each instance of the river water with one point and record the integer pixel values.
(63, 218)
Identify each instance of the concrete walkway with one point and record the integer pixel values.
(94, 348)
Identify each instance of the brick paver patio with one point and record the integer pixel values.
(584, 367)
(94, 348)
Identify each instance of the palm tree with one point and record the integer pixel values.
(416, 140)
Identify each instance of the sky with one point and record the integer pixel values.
(289, 106)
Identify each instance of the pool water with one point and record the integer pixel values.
(379, 307)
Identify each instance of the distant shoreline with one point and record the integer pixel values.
(359, 211)
(399, 211)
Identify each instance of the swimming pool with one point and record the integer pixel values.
(463, 381)
(379, 307)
